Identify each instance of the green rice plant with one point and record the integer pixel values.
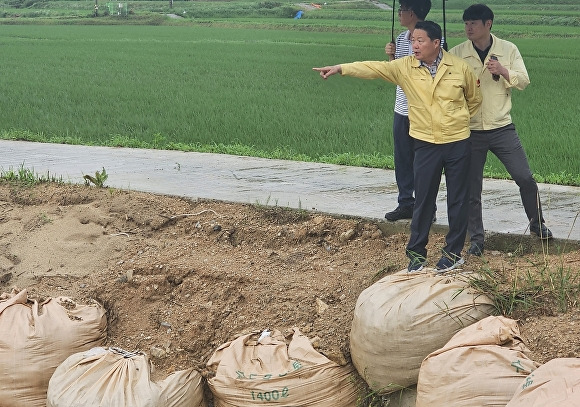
(522, 5)
(243, 85)
(368, 397)
(23, 175)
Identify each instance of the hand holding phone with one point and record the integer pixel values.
(494, 76)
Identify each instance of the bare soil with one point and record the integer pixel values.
(180, 277)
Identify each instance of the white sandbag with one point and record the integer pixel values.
(36, 338)
(102, 378)
(266, 370)
(554, 384)
(481, 366)
(183, 388)
(114, 377)
(403, 317)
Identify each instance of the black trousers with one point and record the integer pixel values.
(430, 161)
(404, 155)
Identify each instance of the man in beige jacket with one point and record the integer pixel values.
(500, 68)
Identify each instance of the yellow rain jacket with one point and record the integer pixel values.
(497, 102)
(439, 108)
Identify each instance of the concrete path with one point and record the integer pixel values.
(333, 189)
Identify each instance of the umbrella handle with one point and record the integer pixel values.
(393, 24)
(445, 47)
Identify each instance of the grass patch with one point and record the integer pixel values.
(28, 177)
(533, 286)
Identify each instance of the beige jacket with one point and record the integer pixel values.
(497, 96)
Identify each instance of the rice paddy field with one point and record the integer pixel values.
(236, 77)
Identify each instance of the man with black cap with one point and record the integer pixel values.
(500, 68)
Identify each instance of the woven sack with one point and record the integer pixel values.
(36, 338)
(403, 317)
(481, 366)
(554, 384)
(267, 370)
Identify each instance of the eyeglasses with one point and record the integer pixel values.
(404, 9)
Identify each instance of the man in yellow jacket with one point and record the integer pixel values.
(443, 93)
(500, 68)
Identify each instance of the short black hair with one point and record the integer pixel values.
(432, 29)
(478, 12)
(420, 7)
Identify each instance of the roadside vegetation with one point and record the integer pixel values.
(536, 287)
(24, 176)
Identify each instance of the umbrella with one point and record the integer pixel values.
(444, 29)
(393, 24)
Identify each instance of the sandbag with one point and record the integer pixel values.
(103, 377)
(114, 377)
(183, 388)
(266, 370)
(480, 366)
(403, 317)
(36, 338)
(554, 384)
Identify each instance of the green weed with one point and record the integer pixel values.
(98, 180)
(535, 287)
(27, 176)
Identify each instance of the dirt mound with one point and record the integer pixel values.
(180, 277)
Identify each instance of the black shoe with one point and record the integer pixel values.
(417, 263)
(541, 231)
(449, 262)
(476, 249)
(402, 212)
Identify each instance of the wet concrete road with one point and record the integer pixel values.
(351, 191)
